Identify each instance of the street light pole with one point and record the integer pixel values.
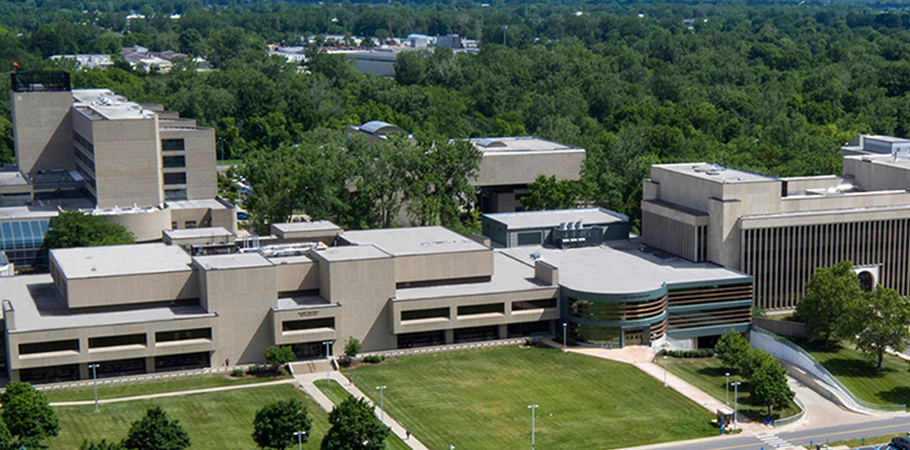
(727, 389)
(665, 371)
(299, 435)
(504, 28)
(94, 383)
(381, 409)
(735, 402)
(564, 337)
(532, 408)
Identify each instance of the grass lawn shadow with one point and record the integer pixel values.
(899, 395)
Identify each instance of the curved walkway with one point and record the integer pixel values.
(175, 394)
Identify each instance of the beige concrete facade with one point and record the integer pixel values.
(42, 136)
(781, 229)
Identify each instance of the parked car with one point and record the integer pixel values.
(901, 443)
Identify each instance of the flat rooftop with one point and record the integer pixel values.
(517, 144)
(209, 203)
(116, 260)
(190, 233)
(901, 162)
(300, 302)
(713, 172)
(39, 306)
(620, 267)
(414, 241)
(548, 219)
(104, 104)
(232, 261)
(509, 275)
(12, 178)
(352, 253)
(297, 227)
(883, 138)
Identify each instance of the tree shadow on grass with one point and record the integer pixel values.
(714, 371)
(899, 395)
(856, 368)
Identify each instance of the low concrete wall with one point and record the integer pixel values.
(781, 327)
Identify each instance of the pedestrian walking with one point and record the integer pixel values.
(407, 433)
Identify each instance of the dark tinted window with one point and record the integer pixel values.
(172, 144)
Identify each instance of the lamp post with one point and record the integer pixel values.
(735, 401)
(504, 28)
(300, 435)
(727, 389)
(94, 383)
(381, 410)
(564, 337)
(665, 371)
(328, 361)
(533, 409)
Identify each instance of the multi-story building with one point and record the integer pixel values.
(93, 150)
(205, 300)
(780, 230)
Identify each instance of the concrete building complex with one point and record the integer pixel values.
(92, 150)
(780, 230)
(208, 300)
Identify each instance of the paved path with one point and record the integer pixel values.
(174, 394)
(306, 382)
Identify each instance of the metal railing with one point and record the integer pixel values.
(46, 81)
(794, 418)
(818, 369)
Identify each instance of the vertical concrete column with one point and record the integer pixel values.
(13, 376)
(503, 331)
(150, 364)
(84, 372)
(450, 336)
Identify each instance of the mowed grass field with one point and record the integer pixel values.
(479, 400)
(338, 394)
(120, 390)
(890, 385)
(214, 421)
(707, 374)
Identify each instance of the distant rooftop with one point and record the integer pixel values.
(621, 267)
(12, 178)
(414, 241)
(547, 219)
(114, 260)
(296, 227)
(190, 233)
(352, 253)
(519, 144)
(232, 261)
(714, 172)
(509, 275)
(209, 203)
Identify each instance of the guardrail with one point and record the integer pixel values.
(809, 363)
(794, 418)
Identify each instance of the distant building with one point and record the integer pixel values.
(452, 41)
(142, 59)
(92, 150)
(87, 61)
(376, 130)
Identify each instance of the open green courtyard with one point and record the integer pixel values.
(708, 374)
(857, 372)
(136, 388)
(214, 421)
(479, 400)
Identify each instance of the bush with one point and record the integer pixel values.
(238, 372)
(373, 359)
(529, 342)
(702, 353)
(253, 370)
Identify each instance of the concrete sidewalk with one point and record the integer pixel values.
(306, 383)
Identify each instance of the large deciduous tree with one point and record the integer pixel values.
(831, 292)
(879, 322)
(27, 415)
(550, 193)
(768, 383)
(733, 350)
(276, 423)
(77, 229)
(441, 188)
(156, 432)
(354, 427)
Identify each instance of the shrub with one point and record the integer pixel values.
(702, 353)
(529, 342)
(238, 372)
(373, 359)
(253, 370)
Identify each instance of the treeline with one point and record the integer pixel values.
(772, 89)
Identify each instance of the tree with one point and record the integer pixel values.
(276, 423)
(879, 322)
(278, 356)
(156, 432)
(27, 414)
(441, 187)
(549, 193)
(351, 347)
(830, 293)
(77, 229)
(733, 350)
(768, 382)
(383, 179)
(354, 427)
(6, 439)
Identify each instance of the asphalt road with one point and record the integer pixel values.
(801, 437)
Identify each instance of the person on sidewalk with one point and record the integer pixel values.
(407, 433)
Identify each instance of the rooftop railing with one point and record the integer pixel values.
(46, 81)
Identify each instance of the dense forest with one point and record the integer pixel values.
(772, 87)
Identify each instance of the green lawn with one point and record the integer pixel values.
(479, 400)
(707, 374)
(337, 394)
(214, 421)
(119, 390)
(890, 385)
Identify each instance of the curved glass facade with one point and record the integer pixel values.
(616, 320)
